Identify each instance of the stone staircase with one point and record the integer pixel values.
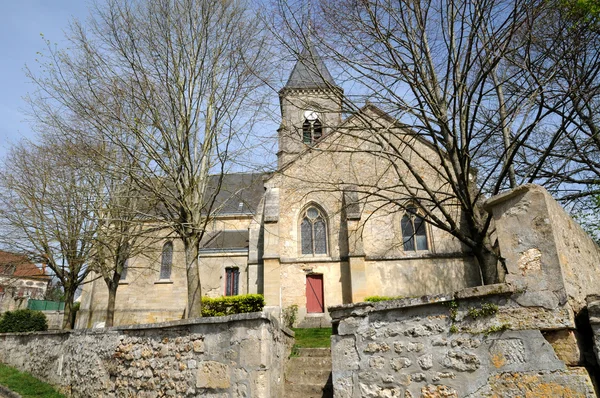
(309, 374)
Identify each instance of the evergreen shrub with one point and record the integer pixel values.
(228, 305)
(23, 321)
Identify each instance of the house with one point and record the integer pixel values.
(20, 280)
(304, 235)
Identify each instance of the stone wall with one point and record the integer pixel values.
(236, 356)
(545, 251)
(476, 343)
(528, 337)
(593, 302)
(55, 319)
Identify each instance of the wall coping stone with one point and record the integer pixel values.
(504, 196)
(169, 324)
(361, 309)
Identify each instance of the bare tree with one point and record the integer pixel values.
(47, 211)
(570, 34)
(180, 79)
(123, 229)
(446, 71)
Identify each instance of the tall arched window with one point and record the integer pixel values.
(313, 232)
(166, 262)
(312, 131)
(124, 272)
(414, 231)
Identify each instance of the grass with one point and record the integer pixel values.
(25, 384)
(313, 338)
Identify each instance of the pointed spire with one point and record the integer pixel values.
(310, 71)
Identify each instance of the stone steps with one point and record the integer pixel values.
(309, 374)
(314, 352)
(307, 391)
(315, 322)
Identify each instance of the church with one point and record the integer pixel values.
(319, 231)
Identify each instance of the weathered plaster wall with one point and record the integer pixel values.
(236, 356)
(440, 346)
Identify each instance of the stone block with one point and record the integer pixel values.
(566, 346)
(344, 355)
(212, 374)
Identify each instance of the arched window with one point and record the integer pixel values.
(414, 231)
(312, 131)
(313, 232)
(306, 132)
(166, 262)
(124, 272)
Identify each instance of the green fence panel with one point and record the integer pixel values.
(45, 305)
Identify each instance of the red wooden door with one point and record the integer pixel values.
(314, 293)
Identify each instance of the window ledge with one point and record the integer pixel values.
(123, 282)
(163, 282)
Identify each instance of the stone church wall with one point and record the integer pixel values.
(142, 297)
(236, 356)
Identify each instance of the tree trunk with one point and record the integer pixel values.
(110, 308)
(491, 270)
(67, 321)
(194, 305)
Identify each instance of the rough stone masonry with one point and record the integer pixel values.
(235, 356)
(529, 337)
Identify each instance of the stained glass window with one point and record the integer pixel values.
(166, 261)
(313, 231)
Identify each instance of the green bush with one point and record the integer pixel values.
(23, 321)
(375, 299)
(228, 305)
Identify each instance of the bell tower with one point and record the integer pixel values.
(311, 106)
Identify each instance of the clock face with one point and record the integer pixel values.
(310, 115)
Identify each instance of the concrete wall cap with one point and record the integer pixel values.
(504, 196)
(361, 309)
(163, 325)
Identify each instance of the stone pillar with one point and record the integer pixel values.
(546, 252)
(272, 282)
(356, 253)
(358, 278)
(271, 264)
(527, 244)
(255, 251)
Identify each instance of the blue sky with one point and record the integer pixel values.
(21, 22)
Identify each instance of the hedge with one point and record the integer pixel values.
(228, 305)
(23, 321)
(375, 299)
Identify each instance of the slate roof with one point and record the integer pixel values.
(240, 193)
(227, 239)
(310, 71)
(17, 265)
